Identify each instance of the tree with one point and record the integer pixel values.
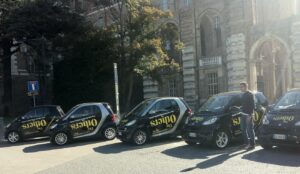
(138, 25)
(46, 26)
(86, 73)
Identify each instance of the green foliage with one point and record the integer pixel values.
(86, 73)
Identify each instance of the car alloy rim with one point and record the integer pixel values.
(61, 138)
(140, 137)
(110, 133)
(13, 137)
(222, 139)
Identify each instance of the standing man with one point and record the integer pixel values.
(247, 125)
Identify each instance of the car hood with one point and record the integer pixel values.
(127, 119)
(287, 117)
(198, 118)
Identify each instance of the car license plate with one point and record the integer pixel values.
(192, 134)
(279, 137)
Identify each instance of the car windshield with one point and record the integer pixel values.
(71, 110)
(215, 104)
(139, 109)
(290, 100)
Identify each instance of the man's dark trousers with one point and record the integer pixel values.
(247, 127)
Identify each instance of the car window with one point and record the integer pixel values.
(164, 106)
(82, 112)
(290, 100)
(96, 111)
(35, 113)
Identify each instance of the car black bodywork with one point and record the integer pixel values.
(35, 123)
(281, 125)
(88, 120)
(154, 118)
(218, 120)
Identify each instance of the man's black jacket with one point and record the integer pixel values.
(248, 104)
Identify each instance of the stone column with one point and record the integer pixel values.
(236, 61)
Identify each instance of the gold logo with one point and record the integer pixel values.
(284, 119)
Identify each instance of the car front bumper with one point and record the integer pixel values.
(267, 133)
(200, 134)
(125, 133)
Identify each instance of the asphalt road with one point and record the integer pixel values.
(160, 156)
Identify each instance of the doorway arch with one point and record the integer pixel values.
(270, 66)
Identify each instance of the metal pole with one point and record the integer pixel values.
(33, 100)
(1, 129)
(117, 88)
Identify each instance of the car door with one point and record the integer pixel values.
(258, 112)
(51, 116)
(33, 123)
(235, 118)
(84, 120)
(163, 116)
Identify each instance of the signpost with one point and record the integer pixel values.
(117, 88)
(33, 90)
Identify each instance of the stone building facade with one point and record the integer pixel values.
(229, 41)
(226, 42)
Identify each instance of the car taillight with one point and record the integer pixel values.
(114, 117)
(190, 112)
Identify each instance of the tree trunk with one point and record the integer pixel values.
(130, 90)
(6, 44)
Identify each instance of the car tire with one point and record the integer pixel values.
(109, 133)
(60, 138)
(13, 137)
(221, 139)
(266, 146)
(191, 143)
(140, 137)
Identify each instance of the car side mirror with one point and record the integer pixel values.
(270, 107)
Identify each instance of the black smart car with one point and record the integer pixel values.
(34, 123)
(88, 120)
(154, 118)
(281, 125)
(218, 121)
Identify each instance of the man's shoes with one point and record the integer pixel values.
(250, 147)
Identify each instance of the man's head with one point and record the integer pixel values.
(244, 86)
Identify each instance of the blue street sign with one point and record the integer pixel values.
(33, 87)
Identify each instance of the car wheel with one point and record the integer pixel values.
(140, 137)
(266, 146)
(60, 138)
(13, 137)
(109, 133)
(191, 143)
(221, 139)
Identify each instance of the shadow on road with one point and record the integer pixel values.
(204, 152)
(123, 147)
(278, 156)
(4, 144)
(48, 146)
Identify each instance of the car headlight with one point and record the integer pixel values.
(297, 123)
(210, 121)
(8, 125)
(266, 121)
(53, 126)
(131, 123)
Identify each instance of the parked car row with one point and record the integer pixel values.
(216, 122)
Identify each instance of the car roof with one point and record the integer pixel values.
(159, 98)
(91, 103)
(46, 106)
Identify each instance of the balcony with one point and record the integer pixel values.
(210, 61)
